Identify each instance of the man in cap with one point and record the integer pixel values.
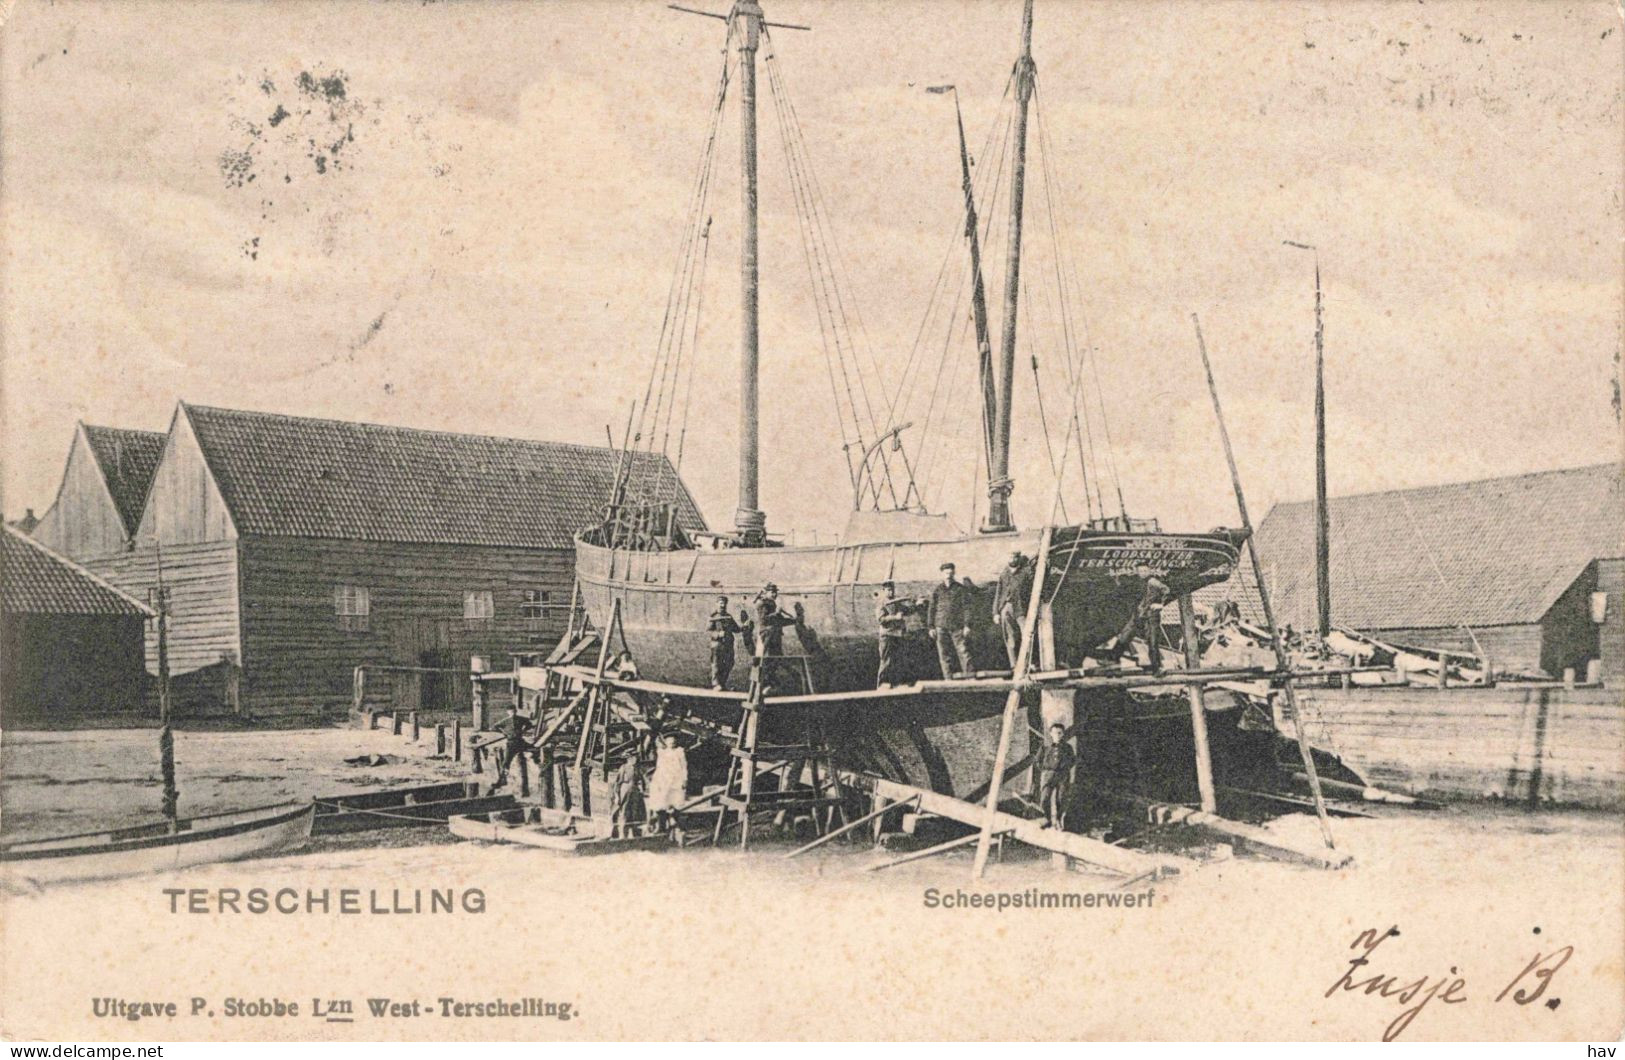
(891, 616)
(770, 620)
(949, 618)
(1010, 598)
(722, 629)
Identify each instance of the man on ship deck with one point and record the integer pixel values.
(949, 620)
(1010, 602)
(891, 615)
(722, 629)
(770, 621)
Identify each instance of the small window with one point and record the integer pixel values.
(478, 609)
(353, 605)
(535, 605)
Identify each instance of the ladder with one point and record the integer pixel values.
(807, 782)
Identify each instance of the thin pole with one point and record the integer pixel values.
(999, 484)
(984, 344)
(1281, 661)
(166, 735)
(1193, 661)
(1012, 701)
(748, 518)
(1323, 567)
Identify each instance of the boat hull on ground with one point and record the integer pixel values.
(156, 848)
(666, 597)
(943, 742)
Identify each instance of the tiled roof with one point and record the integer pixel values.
(296, 477)
(127, 459)
(38, 581)
(1492, 552)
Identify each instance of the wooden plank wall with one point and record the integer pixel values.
(1509, 647)
(202, 583)
(1527, 744)
(1568, 635)
(298, 659)
(1611, 580)
(83, 522)
(184, 504)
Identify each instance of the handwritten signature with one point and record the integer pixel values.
(1526, 987)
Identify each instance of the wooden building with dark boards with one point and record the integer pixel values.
(296, 549)
(70, 642)
(1529, 569)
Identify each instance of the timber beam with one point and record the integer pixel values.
(1093, 852)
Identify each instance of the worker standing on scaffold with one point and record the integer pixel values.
(722, 629)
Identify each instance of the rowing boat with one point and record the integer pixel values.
(158, 847)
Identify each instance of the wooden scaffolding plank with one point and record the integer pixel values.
(1033, 833)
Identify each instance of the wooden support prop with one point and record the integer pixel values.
(1293, 800)
(1366, 793)
(395, 720)
(1034, 833)
(372, 719)
(1253, 838)
(1012, 702)
(457, 739)
(416, 730)
(845, 828)
(1193, 660)
(1282, 662)
(440, 739)
(558, 723)
(929, 852)
(595, 693)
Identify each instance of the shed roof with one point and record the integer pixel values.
(297, 477)
(1490, 552)
(38, 581)
(127, 460)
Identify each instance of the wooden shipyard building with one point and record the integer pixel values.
(71, 643)
(1528, 569)
(296, 549)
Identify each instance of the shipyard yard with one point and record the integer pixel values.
(683, 928)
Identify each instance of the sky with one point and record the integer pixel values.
(465, 216)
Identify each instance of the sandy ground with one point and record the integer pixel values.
(63, 782)
(714, 944)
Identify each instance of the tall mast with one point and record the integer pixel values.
(1323, 558)
(1323, 536)
(749, 520)
(984, 345)
(999, 483)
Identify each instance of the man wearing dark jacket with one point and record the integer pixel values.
(1010, 602)
(722, 629)
(949, 618)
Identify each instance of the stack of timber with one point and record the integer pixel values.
(1526, 743)
(555, 830)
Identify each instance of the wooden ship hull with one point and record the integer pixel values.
(158, 847)
(1531, 744)
(944, 743)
